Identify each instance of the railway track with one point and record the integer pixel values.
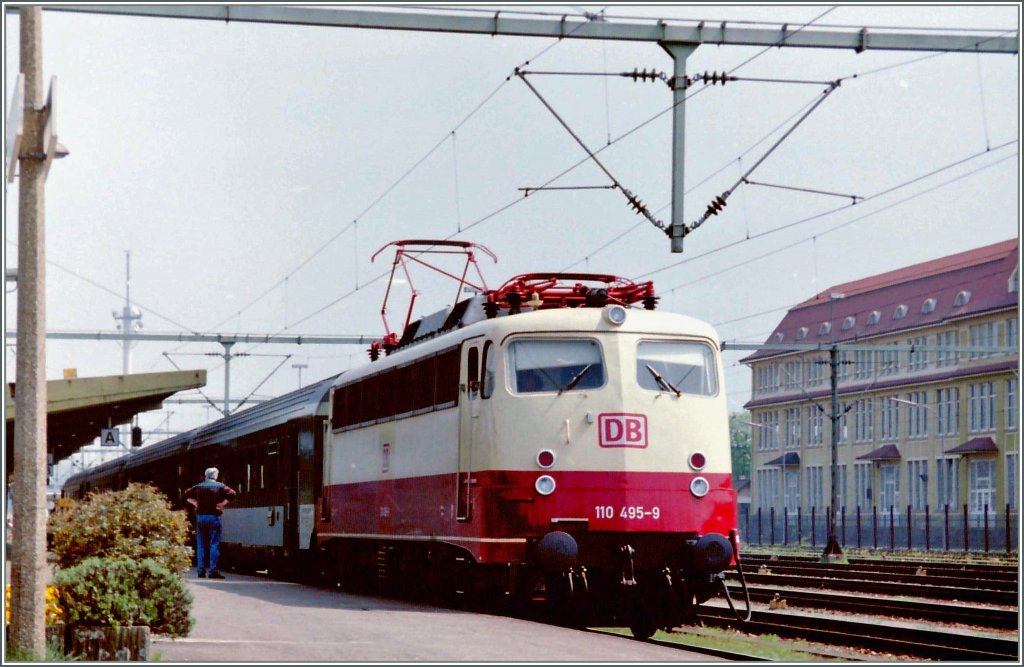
(962, 590)
(982, 617)
(892, 638)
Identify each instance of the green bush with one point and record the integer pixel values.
(116, 592)
(135, 523)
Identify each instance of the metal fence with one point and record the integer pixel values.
(949, 529)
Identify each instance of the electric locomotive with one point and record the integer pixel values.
(556, 437)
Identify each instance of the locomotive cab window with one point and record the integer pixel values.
(554, 365)
(677, 367)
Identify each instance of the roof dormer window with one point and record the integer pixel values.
(874, 316)
(801, 333)
(1012, 284)
(849, 322)
(825, 328)
(779, 336)
(901, 312)
(962, 298)
(928, 306)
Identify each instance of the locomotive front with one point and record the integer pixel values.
(610, 429)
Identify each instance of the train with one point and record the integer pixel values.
(557, 440)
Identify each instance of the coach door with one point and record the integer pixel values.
(469, 412)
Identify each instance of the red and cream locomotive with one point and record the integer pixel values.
(555, 436)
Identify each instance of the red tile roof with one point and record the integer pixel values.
(984, 272)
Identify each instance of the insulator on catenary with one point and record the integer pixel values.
(708, 77)
(637, 205)
(643, 75)
(716, 205)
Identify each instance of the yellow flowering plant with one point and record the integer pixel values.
(53, 610)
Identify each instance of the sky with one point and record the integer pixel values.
(253, 170)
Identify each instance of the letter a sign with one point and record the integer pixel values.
(110, 437)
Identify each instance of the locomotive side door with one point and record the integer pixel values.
(469, 411)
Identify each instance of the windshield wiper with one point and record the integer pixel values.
(665, 384)
(573, 382)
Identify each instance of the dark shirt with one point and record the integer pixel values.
(208, 494)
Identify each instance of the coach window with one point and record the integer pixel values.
(473, 371)
(543, 365)
(676, 367)
(488, 381)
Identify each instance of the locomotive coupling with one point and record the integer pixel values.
(712, 553)
(557, 551)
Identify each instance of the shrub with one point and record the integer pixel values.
(116, 592)
(135, 523)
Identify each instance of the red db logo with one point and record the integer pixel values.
(622, 430)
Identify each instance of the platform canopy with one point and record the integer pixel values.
(77, 408)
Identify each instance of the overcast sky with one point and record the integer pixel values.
(224, 156)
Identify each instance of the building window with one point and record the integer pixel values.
(982, 335)
(815, 372)
(917, 483)
(793, 428)
(825, 328)
(947, 419)
(890, 418)
(928, 306)
(862, 484)
(917, 417)
(1011, 479)
(947, 480)
(1011, 333)
(815, 422)
(864, 413)
(849, 322)
(917, 359)
(768, 488)
(962, 298)
(1012, 283)
(767, 378)
(815, 487)
(981, 489)
(946, 357)
(1011, 403)
(862, 366)
(900, 312)
(792, 371)
(768, 431)
(779, 336)
(844, 365)
(844, 434)
(801, 333)
(982, 405)
(889, 362)
(874, 316)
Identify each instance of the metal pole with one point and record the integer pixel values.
(28, 562)
(832, 545)
(227, 377)
(679, 53)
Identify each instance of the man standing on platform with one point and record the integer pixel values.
(209, 498)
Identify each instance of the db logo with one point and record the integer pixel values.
(622, 430)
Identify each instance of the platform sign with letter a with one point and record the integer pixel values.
(110, 437)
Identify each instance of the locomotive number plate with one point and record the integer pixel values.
(627, 512)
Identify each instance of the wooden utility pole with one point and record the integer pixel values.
(28, 561)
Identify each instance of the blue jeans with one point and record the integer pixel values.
(207, 541)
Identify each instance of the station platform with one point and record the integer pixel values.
(255, 619)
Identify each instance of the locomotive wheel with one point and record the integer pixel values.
(643, 628)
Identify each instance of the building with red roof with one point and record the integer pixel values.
(929, 419)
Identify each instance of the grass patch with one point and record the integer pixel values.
(769, 647)
(53, 654)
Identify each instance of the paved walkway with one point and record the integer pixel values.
(252, 619)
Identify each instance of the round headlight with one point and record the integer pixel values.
(697, 461)
(699, 487)
(545, 458)
(615, 314)
(545, 485)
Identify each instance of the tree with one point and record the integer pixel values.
(739, 442)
